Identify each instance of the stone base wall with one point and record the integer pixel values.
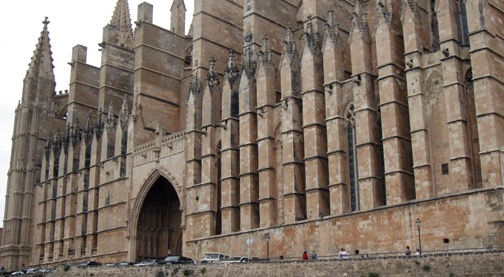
(460, 264)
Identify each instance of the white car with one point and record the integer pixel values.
(214, 258)
(233, 260)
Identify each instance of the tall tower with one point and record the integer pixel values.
(33, 121)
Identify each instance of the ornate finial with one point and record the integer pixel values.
(88, 132)
(311, 38)
(56, 144)
(67, 137)
(383, 11)
(249, 64)
(212, 79)
(195, 86)
(46, 22)
(412, 5)
(48, 146)
(123, 114)
(76, 134)
(265, 55)
(110, 117)
(330, 28)
(99, 124)
(289, 44)
(359, 17)
(232, 71)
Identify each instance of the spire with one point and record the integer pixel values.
(41, 64)
(121, 17)
(121, 22)
(177, 3)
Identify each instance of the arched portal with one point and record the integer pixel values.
(159, 223)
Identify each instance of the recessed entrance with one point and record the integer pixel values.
(158, 229)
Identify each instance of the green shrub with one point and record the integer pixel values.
(427, 267)
(188, 272)
(160, 274)
(202, 270)
(66, 267)
(373, 274)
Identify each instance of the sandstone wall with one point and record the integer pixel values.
(468, 264)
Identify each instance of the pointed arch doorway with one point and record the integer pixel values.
(158, 230)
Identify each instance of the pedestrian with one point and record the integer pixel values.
(313, 255)
(418, 252)
(169, 252)
(343, 254)
(408, 251)
(305, 256)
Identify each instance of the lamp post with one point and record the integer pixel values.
(418, 223)
(267, 237)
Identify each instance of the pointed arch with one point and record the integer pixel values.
(171, 238)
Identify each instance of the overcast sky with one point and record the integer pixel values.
(72, 22)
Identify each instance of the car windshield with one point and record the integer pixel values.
(212, 256)
(172, 258)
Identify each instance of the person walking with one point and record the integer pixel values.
(313, 255)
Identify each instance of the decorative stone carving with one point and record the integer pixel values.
(195, 86)
(89, 130)
(212, 79)
(265, 54)
(311, 38)
(99, 124)
(110, 118)
(289, 44)
(232, 71)
(124, 114)
(249, 63)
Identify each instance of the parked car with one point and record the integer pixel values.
(233, 260)
(176, 260)
(32, 270)
(147, 262)
(125, 263)
(213, 258)
(89, 263)
(17, 273)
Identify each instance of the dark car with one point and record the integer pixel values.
(176, 260)
(89, 263)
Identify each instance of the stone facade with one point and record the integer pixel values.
(317, 124)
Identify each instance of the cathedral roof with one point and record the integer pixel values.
(41, 64)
